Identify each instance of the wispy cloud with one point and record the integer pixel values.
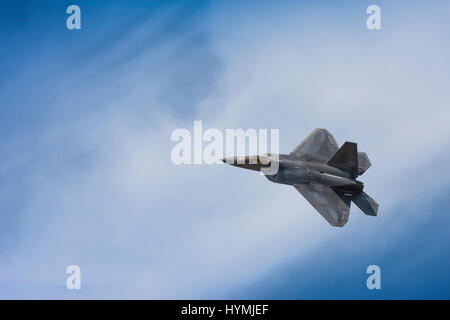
(92, 184)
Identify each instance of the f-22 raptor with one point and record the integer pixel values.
(322, 172)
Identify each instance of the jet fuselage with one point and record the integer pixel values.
(324, 174)
(294, 172)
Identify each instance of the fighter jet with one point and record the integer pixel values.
(322, 172)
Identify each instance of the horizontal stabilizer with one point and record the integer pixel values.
(363, 163)
(366, 204)
(346, 158)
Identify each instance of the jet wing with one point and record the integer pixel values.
(333, 206)
(319, 143)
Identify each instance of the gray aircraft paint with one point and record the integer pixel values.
(322, 172)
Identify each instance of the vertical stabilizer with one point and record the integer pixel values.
(363, 163)
(346, 158)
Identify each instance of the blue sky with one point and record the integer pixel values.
(413, 262)
(86, 118)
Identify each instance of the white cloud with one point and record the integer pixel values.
(141, 227)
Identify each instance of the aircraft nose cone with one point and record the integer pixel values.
(245, 162)
(229, 160)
